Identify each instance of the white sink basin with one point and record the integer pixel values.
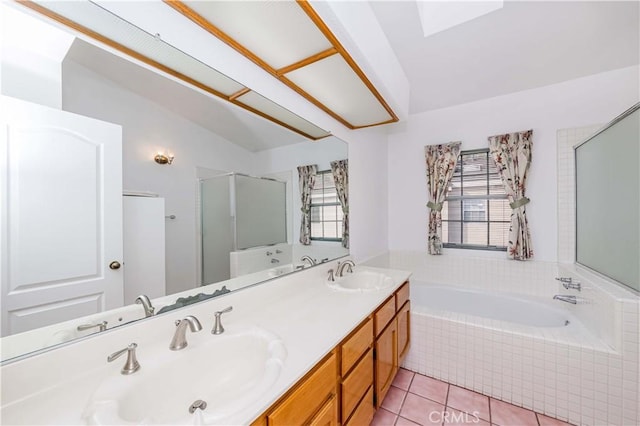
(360, 281)
(228, 372)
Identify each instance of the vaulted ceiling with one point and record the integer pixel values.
(524, 45)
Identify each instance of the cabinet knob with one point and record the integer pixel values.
(114, 265)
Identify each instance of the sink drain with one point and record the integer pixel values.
(199, 404)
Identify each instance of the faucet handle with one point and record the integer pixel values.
(217, 327)
(131, 365)
(330, 277)
(569, 283)
(102, 326)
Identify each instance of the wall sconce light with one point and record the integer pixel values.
(161, 158)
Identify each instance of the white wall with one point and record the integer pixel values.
(31, 54)
(147, 128)
(594, 99)
(368, 194)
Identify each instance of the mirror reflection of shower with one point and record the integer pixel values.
(243, 226)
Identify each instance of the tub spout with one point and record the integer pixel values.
(565, 298)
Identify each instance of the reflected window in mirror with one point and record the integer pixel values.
(326, 211)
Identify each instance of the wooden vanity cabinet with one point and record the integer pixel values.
(351, 382)
(312, 400)
(392, 342)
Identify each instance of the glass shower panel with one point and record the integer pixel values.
(261, 217)
(217, 228)
(608, 201)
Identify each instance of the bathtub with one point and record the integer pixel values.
(521, 349)
(501, 307)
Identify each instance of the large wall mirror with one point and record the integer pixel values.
(197, 182)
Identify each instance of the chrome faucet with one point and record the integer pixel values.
(143, 300)
(566, 298)
(309, 259)
(330, 277)
(102, 326)
(568, 283)
(341, 266)
(179, 340)
(274, 260)
(131, 365)
(217, 327)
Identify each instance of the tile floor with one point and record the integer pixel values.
(414, 399)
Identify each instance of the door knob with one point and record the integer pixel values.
(114, 265)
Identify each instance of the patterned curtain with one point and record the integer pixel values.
(340, 170)
(306, 179)
(441, 163)
(512, 154)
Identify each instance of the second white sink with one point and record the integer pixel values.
(362, 281)
(228, 373)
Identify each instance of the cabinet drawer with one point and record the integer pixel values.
(304, 401)
(356, 345)
(384, 314)
(364, 412)
(356, 384)
(402, 295)
(328, 414)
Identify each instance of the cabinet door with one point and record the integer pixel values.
(386, 360)
(404, 331)
(328, 414)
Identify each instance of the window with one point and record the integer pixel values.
(326, 211)
(476, 211)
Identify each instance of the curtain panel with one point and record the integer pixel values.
(441, 162)
(306, 180)
(340, 171)
(512, 154)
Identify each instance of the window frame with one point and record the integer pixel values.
(486, 197)
(319, 175)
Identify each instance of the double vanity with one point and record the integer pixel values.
(319, 347)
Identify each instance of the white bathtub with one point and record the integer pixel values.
(521, 349)
(501, 307)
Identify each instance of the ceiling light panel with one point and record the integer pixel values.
(268, 107)
(333, 83)
(116, 29)
(278, 32)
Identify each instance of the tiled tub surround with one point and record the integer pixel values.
(585, 374)
(309, 317)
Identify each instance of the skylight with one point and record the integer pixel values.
(436, 16)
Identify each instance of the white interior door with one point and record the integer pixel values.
(61, 215)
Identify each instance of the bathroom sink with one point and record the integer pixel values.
(362, 281)
(228, 372)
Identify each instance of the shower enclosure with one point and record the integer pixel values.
(238, 212)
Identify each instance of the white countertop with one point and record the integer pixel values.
(309, 317)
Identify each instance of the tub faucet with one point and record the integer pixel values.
(274, 260)
(569, 283)
(306, 258)
(565, 298)
(341, 266)
(179, 340)
(143, 300)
